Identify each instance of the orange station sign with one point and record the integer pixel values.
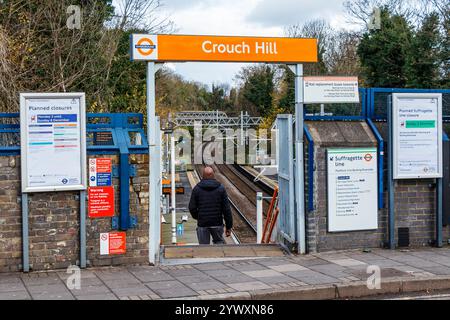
(167, 48)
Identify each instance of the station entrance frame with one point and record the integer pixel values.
(157, 49)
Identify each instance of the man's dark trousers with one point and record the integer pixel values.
(204, 235)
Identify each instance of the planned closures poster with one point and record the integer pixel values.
(417, 134)
(53, 143)
(352, 189)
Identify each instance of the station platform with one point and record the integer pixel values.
(269, 180)
(189, 235)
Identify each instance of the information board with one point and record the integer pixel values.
(330, 90)
(352, 189)
(417, 135)
(53, 141)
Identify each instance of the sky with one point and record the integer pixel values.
(242, 17)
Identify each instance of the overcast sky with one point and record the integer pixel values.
(242, 17)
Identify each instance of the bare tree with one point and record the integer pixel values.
(38, 52)
(318, 29)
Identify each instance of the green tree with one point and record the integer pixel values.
(287, 91)
(384, 52)
(422, 63)
(257, 87)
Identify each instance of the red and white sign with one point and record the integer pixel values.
(113, 243)
(100, 172)
(101, 202)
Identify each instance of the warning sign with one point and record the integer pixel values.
(113, 243)
(101, 202)
(100, 172)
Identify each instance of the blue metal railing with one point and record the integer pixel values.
(380, 156)
(107, 133)
(310, 168)
(372, 101)
(357, 117)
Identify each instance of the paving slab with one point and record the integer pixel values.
(347, 262)
(15, 295)
(249, 286)
(277, 279)
(229, 279)
(210, 266)
(288, 267)
(90, 290)
(262, 273)
(13, 284)
(134, 290)
(107, 296)
(151, 275)
(249, 267)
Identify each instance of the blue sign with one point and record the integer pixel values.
(104, 179)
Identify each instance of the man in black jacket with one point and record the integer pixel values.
(209, 205)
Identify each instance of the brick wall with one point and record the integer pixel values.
(334, 135)
(54, 223)
(415, 199)
(415, 203)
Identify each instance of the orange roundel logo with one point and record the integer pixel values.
(368, 157)
(145, 46)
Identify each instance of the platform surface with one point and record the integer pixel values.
(315, 276)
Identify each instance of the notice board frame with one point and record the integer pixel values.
(395, 142)
(26, 188)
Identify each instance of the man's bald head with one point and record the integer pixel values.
(208, 173)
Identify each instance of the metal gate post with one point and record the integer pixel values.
(259, 217)
(172, 189)
(83, 229)
(299, 169)
(439, 190)
(25, 237)
(154, 167)
(391, 185)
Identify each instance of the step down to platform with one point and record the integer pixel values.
(222, 251)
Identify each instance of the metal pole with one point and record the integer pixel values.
(391, 185)
(25, 238)
(259, 217)
(172, 191)
(82, 229)
(154, 167)
(299, 178)
(242, 128)
(439, 191)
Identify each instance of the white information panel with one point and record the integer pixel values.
(417, 135)
(330, 90)
(352, 189)
(53, 141)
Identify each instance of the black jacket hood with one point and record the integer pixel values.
(209, 184)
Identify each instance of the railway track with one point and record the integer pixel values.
(242, 194)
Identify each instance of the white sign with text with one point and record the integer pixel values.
(352, 189)
(417, 135)
(53, 141)
(330, 90)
